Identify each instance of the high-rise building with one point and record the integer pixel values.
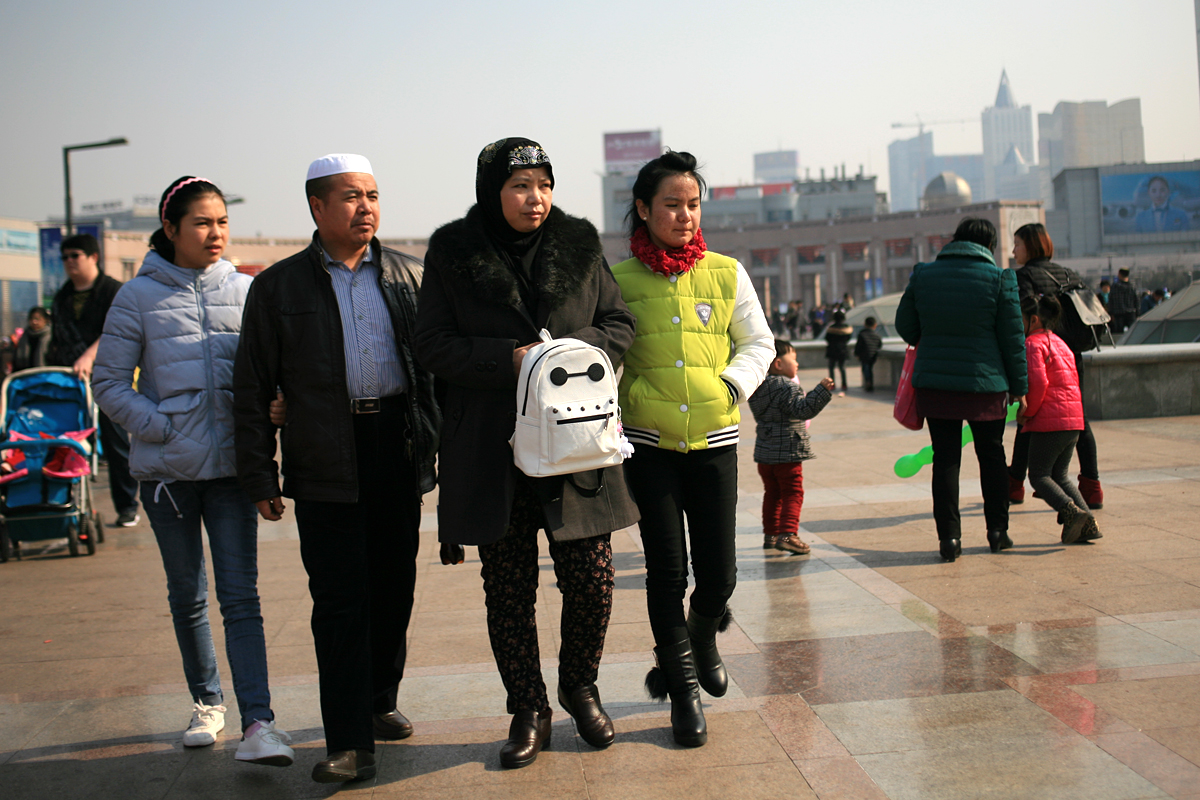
(1005, 125)
(1091, 134)
(908, 170)
(780, 166)
(912, 164)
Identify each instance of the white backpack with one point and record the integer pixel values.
(567, 414)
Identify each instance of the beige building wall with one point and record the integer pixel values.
(15, 263)
(820, 261)
(124, 251)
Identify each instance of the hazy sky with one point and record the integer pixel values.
(247, 93)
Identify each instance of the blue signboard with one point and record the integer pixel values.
(19, 242)
(53, 276)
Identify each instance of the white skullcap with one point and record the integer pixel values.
(336, 164)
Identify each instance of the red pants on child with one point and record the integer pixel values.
(783, 496)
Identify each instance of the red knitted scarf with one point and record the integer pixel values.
(666, 262)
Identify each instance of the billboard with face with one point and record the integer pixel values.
(1150, 202)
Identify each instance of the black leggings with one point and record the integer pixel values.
(946, 437)
(1049, 464)
(702, 485)
(584, 570)
(840, 363)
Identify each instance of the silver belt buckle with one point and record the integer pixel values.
(365, 405)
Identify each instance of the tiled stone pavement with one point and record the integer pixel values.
(867, 670)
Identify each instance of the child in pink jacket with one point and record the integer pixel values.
(1053, 416)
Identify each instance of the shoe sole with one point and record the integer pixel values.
(268, 761)
(329, 776)
(526, 762)
(697, 741)
(209, 743)
(390, 736)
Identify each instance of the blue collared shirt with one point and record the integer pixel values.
(373, 367)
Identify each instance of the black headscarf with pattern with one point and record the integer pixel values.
(520, 249)
(496, 163)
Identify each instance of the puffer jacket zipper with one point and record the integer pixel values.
(208, 367)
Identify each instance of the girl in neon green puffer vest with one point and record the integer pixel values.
(702, 345)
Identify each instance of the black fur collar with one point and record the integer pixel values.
(570, 254)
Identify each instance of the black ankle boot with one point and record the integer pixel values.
(528, 735)
(710, 670)
(675, 677)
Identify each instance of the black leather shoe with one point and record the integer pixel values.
(999, 540)
(391, 726)
(528, 735)
(950, 549)
(345, 765)
(591, 720)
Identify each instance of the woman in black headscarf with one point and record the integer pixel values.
(513, 265)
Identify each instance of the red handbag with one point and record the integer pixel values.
(905, 410)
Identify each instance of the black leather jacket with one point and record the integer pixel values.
(292, 339)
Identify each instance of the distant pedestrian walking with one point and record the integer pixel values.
(837, 347)
(866, 349)
(962, 313)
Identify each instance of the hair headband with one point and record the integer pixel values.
(163, 214)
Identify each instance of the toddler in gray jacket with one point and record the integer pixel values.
(781, 444)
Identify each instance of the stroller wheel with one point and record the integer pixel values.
(98, 528)
(88, 535)
(5, 545)
(73, 539)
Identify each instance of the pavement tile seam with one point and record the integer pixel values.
(1156, 763)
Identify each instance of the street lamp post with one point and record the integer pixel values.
(67, 167)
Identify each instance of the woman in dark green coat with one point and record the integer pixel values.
(963, 311)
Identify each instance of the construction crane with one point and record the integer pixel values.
(920, 125)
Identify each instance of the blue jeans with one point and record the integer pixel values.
(232, 524)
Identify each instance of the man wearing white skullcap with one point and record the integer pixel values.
(331, 328)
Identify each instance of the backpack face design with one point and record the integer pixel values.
(568, 419)
(704, 312)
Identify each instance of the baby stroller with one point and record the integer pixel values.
(46, 458)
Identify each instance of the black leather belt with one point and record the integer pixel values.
(373, 405)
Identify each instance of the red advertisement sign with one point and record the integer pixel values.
(627, 152)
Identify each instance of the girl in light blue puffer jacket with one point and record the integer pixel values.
(178, 321)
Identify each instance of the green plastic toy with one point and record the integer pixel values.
(909, 465)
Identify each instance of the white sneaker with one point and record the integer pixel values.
(207, 722)
(267, 745)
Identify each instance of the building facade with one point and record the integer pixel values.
(1005, 125)
(794, 201)
(20, 272)
(818, 261)
(912, 164)
(1090, 134)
